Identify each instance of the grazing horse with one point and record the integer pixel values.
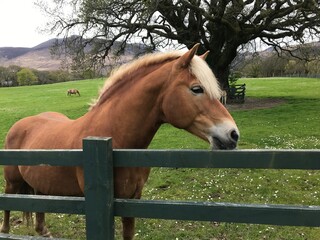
(176, 88)
(73, 91)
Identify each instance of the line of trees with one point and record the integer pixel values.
(270, 64)
(19, 76)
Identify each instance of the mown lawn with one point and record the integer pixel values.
(293, 124)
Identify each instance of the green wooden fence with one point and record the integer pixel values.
(99, 206)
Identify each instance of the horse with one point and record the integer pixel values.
(73, 91)
(223, 98)
(175, 87)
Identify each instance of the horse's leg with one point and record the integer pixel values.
(14, 185)
(129, 183)
(40, 224)
(40, 227)
(128, 228)
(9, 189)
(26, 189)
(5, 225)
(28, 217)
(128, 224)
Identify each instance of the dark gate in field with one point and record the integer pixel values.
(236, 93)
(99, 206)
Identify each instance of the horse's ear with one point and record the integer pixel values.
(205, 55)
(186, 58)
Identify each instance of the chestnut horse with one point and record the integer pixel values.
(73, 91)
(176, 88)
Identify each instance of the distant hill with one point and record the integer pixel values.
(40, 58)
(11, 52)
(37, 57)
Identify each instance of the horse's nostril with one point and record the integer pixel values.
(234, 135)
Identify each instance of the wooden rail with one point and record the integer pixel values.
(99, 206)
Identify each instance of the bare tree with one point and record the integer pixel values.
(221, 26)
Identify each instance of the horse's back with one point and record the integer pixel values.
(53, 116)
(31, 130)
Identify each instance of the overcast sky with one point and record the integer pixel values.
(20, 21)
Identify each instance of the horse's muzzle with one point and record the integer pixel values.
(228, 143)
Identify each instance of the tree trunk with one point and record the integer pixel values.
(220, 60)
(221, 72)
(222, 75)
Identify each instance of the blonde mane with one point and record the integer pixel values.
(198, 68)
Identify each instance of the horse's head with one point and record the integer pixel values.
(191, 102)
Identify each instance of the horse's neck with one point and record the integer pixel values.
(131, 118)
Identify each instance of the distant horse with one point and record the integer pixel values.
(176, 88)
(73, 91)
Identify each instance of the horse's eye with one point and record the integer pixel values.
(197, 89)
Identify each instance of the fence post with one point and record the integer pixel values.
(98, 177)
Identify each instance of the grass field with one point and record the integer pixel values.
(292, 124)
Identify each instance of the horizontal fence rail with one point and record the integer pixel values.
(287, 215)
(257, 159)
(65, 157)
(263, 159)
(38, 203)
(98, 156)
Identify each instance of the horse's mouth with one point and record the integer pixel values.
(217, 143)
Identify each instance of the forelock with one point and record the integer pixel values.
(200, 69)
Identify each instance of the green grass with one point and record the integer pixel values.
(20, 102)
(293, 124)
